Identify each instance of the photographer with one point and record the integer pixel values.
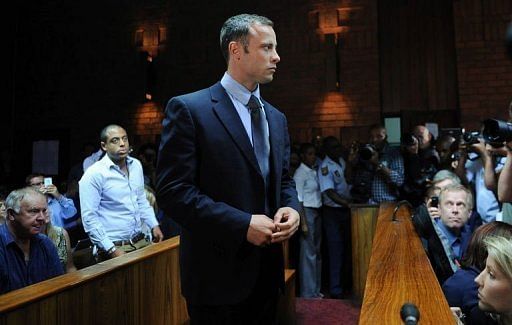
(478, 166)
(505, 178)
(418, 171)
(446, 147)
(382, 162)
(426, 149)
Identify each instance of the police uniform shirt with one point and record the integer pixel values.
(331, 176)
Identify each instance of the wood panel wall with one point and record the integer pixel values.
(417, 57)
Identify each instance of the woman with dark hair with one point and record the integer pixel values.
(460, 289)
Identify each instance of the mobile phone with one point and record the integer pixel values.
(48, 181)
(434, 201)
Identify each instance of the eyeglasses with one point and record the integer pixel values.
(36, 184)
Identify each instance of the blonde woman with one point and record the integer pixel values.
(59, 236)
(495, 281)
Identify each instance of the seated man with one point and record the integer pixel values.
(62, 209)
(26, 256)
(448, 242)
(113, 201)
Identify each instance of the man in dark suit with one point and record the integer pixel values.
(222, 174)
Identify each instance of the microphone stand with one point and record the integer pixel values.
(398, 206)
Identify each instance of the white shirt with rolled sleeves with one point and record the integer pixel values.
(487, 205)
(332, 176)
(113, 204)
(308, 189)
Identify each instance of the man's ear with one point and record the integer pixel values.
(103, 146)
(234, 49)
(10, 214)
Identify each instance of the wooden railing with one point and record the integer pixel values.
(400, 272)
(142, 287)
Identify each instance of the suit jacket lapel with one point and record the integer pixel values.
(274, 136)
(226, 112)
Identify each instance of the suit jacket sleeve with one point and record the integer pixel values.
(178, 193)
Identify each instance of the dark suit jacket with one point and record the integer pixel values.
(208, 180)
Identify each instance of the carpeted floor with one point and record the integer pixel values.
(326, 311)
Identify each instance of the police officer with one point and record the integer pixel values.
(336, 217)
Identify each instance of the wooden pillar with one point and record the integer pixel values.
(363, 221)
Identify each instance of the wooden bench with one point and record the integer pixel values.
(142, 287)
(400, 272)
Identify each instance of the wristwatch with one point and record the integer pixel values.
(379, 167)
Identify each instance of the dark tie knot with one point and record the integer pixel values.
(254, 105)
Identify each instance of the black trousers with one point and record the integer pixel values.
(260, 307)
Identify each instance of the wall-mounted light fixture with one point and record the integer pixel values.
(150, 77)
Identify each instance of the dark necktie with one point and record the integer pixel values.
(259, 136)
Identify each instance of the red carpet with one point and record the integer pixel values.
(326, 311)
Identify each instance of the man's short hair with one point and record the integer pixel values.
(30, 176)
(446, 174)
(236, 29)
(458, 188)
(305, 147)
(329, 141)
(13, 200)
(106, 129)
(377, 126)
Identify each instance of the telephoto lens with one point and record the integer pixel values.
(495, 132)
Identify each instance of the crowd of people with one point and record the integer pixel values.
(454, 185)
(109, 202)
(230, 178)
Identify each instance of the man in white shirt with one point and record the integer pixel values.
(113, 201)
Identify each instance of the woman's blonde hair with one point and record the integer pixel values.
(500, 249)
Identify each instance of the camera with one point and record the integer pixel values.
(366, 151)
(495, 132)
(455, 156)
(471, 137)
(408, 139)
(434, 201)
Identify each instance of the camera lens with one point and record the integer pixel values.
(366, 151)
(496, 131)
(408, 139)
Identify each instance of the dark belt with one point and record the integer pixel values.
(135, 239)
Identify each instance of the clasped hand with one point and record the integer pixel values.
(264, 231)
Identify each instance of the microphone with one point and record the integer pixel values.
(410, 314)
(398, 206)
